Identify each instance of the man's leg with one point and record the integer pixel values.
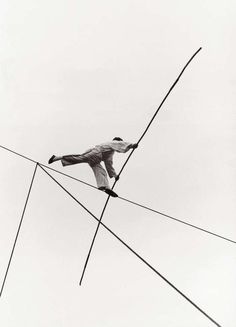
(101, 178)
(100, 175)
(92, 156)
(73, 159)
(68, 160)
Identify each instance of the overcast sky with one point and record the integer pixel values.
(74, 74)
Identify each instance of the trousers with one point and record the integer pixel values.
(93, 158)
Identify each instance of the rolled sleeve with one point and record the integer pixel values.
(121, 146)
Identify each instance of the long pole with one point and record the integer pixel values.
(141, 137)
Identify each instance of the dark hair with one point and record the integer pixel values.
(117, 139)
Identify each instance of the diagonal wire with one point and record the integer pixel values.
(133, 251)
(178, 220)
(57, 171)
(127, 200)
(143, 134)
(18, 230)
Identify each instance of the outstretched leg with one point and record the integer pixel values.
(68, 159)
(91, 156)
(73, 159)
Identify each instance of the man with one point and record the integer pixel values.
(103, 152)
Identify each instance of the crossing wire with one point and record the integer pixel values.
(57, 171)
(141, 137)
(124, 199)
(18, 230)
(133, 251)
(179, 220)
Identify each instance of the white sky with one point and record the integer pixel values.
(77, 73)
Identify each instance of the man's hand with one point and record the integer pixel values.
(135, 145)
(117, 178)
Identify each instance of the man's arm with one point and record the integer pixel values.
(121, 146)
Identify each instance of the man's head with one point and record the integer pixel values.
(117, 139)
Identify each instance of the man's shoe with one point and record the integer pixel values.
(111, 193)
(51, 159)
(108, 191)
